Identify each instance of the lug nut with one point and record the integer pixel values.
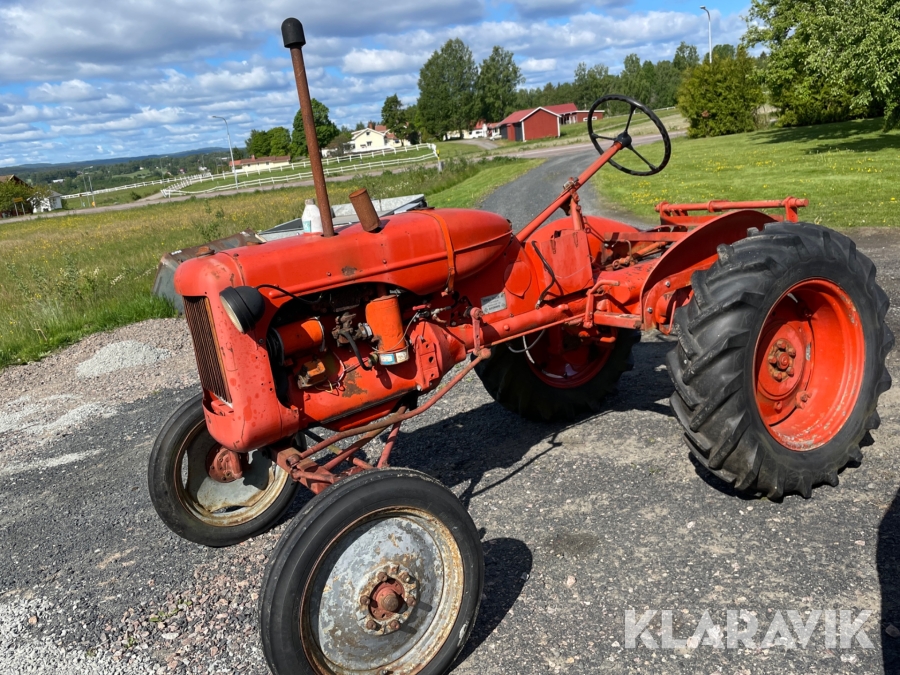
(791, 351)
(364, 599)
(411, 601)
(381, 576)
(371, 625)
(790, 371)
(804, 396)
(773, 359)
(405, 577)
(781, 344)
(394, 625)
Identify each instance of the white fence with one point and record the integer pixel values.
(184, 182)
(163, 181)
(332, 168)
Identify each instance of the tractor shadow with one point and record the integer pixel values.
(507, 566)
(462, 448)
(888, 564)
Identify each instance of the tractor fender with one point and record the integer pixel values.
(697, 250)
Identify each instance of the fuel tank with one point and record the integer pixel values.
(421, 251)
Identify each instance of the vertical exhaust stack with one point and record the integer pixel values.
(365, 210)
(294, 39)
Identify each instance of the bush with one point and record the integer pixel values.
(722, 97)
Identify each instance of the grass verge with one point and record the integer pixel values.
(848, 171)
(66, 277)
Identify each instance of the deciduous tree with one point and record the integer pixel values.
(326, 130)
(498, 79)
(447, 89)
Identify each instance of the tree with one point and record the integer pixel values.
(393, 116)
(447, 89)
(721, 98)
(258, 143)
(279, 141)
(498, 79)
(326, 130)
(668, 79)
(686, 57)
(724, 52)
(592, 83)
(830, 60)
(12, 190)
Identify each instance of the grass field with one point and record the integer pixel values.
(63, 278)
(848, 171)
(109, 198)
(671, 118)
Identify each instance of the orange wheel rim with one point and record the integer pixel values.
(569, 368)
(809, 364)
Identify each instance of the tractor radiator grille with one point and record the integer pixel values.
(206, 347)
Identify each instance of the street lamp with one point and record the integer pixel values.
(709, 22)
(230, 151)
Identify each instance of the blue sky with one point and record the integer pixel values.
(80, 81)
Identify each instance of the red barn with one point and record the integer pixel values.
(566, 112)
(582, 115)
(528, 125)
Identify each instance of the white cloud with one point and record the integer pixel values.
(144, 76)
(538, 65)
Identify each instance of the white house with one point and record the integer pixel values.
(259, 164)
(50, 203)
(375, 137)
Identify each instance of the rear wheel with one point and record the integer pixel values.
(780, 360)
(559, 376)
(381, 573)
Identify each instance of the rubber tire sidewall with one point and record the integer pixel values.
(330, 513)
(161, 484)
(833, 454)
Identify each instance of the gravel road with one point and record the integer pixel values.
(581, 523)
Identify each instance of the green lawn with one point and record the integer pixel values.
(65, 277)
(451, 149)
(848, 171)
(110, 198)
(671, 118)
(473, 190)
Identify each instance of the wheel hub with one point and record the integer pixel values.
(224, 465)
(810, 359)
(387, 600)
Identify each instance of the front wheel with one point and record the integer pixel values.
(381, 573)
(781, 359)
(196, 503)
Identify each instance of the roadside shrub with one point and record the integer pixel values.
(722, 97)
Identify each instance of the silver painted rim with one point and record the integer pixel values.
(224, 504)
(396, 542)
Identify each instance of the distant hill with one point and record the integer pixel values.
(47, 166)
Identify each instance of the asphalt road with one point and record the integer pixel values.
(582, 523)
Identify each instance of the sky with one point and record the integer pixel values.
(117, 78)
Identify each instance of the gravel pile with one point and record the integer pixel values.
(119, 355)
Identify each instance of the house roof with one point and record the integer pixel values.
(261, 160)
(378, 129)
(562, 108)
(11, 178)
(520, 115)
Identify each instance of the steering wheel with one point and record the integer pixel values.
(625, 138)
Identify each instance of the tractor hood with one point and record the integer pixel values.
(421, 251)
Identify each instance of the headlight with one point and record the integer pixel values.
(244, 305)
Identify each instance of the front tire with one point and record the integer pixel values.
(200, 509)
(780, 359)
(382, 572)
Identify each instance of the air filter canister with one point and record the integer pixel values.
(383, 317)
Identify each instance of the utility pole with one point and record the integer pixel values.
(230, 150)
(709, 24)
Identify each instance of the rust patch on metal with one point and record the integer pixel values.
(349, 271)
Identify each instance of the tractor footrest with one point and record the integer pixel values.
(617, 320)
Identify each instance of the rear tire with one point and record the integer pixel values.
(756, 412)
(512, 381)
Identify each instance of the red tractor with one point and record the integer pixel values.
(777, 371)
